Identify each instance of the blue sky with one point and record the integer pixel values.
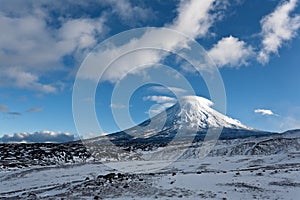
(254, 44)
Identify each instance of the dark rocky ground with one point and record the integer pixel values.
(25, 155)
(250, 168)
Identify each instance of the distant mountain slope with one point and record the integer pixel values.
(14, 156)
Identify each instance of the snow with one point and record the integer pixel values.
(198, 111)
(47, 177)
(235, 169)
(196, 99)
(231, 177)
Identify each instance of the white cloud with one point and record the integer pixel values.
(80, 33)
(15, 77)
(38, 137)
(129, 13)
(168, 90)
(188, 68)
(26, 41)
(117, 106)
(278, 27)
(196, 17)
(160, 99)
(265, 112)
(230, 51)
(158, 108)
(29, 42)
(163, 102)
(126, 60)
(37, 48)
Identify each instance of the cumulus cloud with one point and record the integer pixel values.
(26, 41)
(38, 137)
(194, 19)
(117, 106)
(16, 77)
(278, 27)
(230, 51)
(265, 112)
(29, 39)
(168, 90)
(129, 13)
(160, 99)
(33, 44)
(163, 102)
(80, 33)
(30, 48)
(158, 108)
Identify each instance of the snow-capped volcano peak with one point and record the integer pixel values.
(195, 100)
(190, 113)
(197, 112)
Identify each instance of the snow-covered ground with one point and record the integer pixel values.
(274, 176)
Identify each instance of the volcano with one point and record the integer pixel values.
(191, 117)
